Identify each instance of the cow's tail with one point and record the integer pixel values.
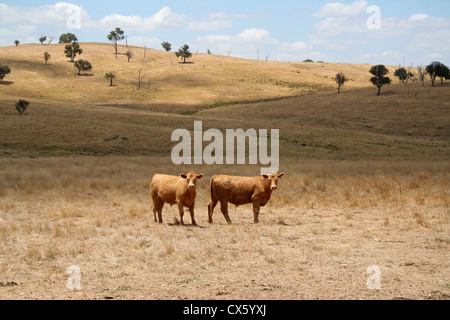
(211, 203)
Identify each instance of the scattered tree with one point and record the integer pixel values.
(17, 42)
(47, 57)
(400, 73)
(184, 53)
(443, 73)
(83, 65)
(379, 78)
(50, 39)
(42, 39)
(68, 38)
(437, 69)
(22, 106)
(167, 46)
(340, 79)
(4, 70)
(129, 55)
(403, 75)
(116, 36)
(110, 76)
(72, 50)
(308, 60)
(422, 73)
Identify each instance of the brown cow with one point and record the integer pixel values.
(241, 190)
(174, 190)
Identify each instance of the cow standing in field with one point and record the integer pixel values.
(174, 190)
(240, 191)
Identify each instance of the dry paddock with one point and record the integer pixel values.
(328, 222)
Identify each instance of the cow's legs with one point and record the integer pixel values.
(256, 208)
(160, 208)
(191, 211)
(155, 209)
(181, 210)
(224, 209)
(158, 204)
(211, 207)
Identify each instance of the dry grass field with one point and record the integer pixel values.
(367, 181)
(328, 222)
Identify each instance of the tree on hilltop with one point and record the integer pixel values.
(167, 46)
(184, 53)
(68, 38)
(115, 36)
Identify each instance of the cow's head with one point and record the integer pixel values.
(273, 179)
(191, 178)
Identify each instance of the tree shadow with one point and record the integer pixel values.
(7, 83)
(85, 75)
(187, 62)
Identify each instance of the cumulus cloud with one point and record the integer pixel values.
(164, 18)
(418, 17)
(56, 14)
(340, 9)
(248, 36)
(212, 22)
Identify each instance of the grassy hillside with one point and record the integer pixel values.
(206, 79)
(83, 115)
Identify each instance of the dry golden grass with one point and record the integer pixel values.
(326, 224)
(206, 79)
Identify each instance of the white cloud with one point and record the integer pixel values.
(209, 25)
(340, 9)
(149, 42)
(248, 36)
(164, 18)
(255, 35)
(418, 17)
(57, 14)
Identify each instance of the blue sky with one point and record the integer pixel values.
(355, 31)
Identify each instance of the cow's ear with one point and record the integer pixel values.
(281, 175)
(200, 176)
(265, 176)
(183, 175)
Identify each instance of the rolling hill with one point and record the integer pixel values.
(83, 115)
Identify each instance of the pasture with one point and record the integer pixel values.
(323, 228)
(367, 181)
